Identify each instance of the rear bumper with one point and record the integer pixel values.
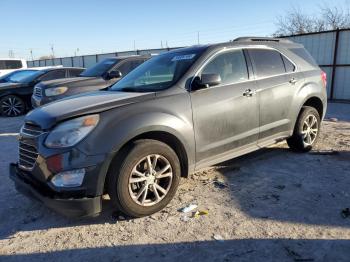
(72, 207)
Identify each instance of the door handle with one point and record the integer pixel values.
(248, 93)
(293, 81)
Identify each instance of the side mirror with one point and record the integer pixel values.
(114, 74)
(206, 81)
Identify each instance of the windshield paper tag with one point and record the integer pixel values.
(183, 57)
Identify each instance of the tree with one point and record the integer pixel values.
(328, 18)
(46, 57)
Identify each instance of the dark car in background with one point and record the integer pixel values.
(100, 76)
(15, 95)
(17, 75)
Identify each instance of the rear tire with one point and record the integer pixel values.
(11, 106)
(306, 131)
(138, 190)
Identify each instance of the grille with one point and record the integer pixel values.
(37, 91)
(28, 153)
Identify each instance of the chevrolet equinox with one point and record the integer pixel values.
(176, 113)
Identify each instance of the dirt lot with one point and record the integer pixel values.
(277, 206)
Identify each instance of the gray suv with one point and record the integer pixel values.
(176, 113)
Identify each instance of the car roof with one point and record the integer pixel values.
(243, 42)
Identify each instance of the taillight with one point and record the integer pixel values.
(324, 78)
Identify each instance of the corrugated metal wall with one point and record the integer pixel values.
(90, 60)
(331, 49)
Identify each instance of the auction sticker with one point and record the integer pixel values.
(183, 57)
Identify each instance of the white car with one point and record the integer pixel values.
(7, 65)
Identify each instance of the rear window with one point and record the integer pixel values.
(305, 55)
(10, 64)
(267, 62)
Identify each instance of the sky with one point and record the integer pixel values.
(90, 26)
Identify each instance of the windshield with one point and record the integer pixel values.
(158, 73)
(100, 68)
(18, 76)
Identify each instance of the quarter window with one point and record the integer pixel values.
(267, 62)
(231, 67)
(288, 65)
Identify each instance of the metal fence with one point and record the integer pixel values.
(90, 60)
(331, 49)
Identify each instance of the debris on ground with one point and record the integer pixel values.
(325, 152)
(345, 213)
(185, 218)
(218, 237)
(188, 208)
(199, 213)
(220, 183)
(332, 119)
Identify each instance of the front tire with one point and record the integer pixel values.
(306, 131)
(11, 106)
(144, 179)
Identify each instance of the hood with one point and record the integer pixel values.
(95, 102)
(5, 86)
(71, 82)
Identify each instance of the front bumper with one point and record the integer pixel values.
(71, 207)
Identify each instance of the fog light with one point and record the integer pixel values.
(72, 178)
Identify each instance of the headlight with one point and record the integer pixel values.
(55, 91)
(71, 132)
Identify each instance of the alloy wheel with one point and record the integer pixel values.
(150, 180)
(12, 106)
(310, 130)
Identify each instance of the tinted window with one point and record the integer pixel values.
(17, 76)
(230, 66)
(125, 67)
(56, 74)
(10, 64)
(74, 72)
(128, 66)
(160, 72)
(100, 68)
(267, 62)
(289, 66)
(301, 52)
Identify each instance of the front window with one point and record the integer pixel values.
(158, 73)
(33, 76)
(100, 68)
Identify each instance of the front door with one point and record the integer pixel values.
(225, 116)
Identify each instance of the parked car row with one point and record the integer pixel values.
(24, 89)
(174, 114)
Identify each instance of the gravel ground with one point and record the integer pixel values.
(272, 205)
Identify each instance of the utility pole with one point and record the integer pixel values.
(161, 44)
(198, 37)
(166, 44)
(52, 50)
(11, 54)
(31, 54)
(134, 45)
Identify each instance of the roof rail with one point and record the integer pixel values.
(261, 39)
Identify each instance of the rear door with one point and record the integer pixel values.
(277, 81)
(225, 119)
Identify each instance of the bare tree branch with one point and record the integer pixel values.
(297, 22)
